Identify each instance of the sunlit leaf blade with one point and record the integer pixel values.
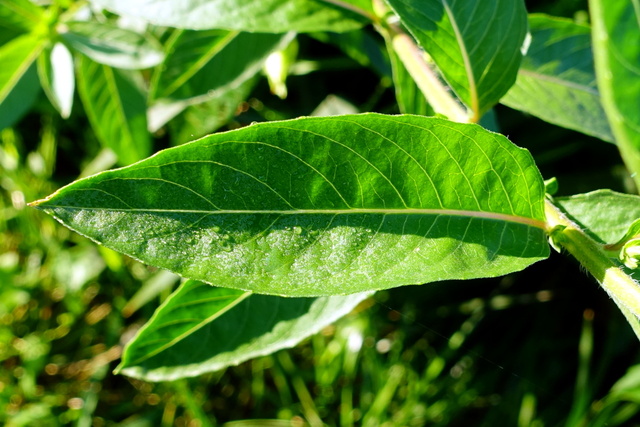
(557, 80)
(55, 69)
(206, 64)
(265, 16)
(110, 45)
(605, 214)
(476, 44)
(322, 206)
(16, 57)
(116, 108)
(19, 15)
(616, 49)
(201, 329)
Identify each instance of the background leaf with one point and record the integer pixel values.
(110, 45)
(18, 16)
(116, 108)
(266, 16)
(410, 98)
(556, 81)
(322, 206)
(199, 63)
(605, 214)
(476, 45)
(201, 328)
(55, 69)
(616, 48)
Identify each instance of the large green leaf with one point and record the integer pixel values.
(116, 108)
(322, 206)
(19, 15)
(55, 69)
(616, 49)
(206, 63)
(201, 328)
(557, 80)
(476, 44)
(110, 45)
(266, 16)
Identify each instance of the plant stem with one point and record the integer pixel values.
(624, 290)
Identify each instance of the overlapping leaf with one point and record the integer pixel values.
(55, 69)
(116, 108)
(476, 45)
(265, 16)
(557, 80)
(322, 206)
(201, 328)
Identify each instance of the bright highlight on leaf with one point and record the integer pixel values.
(322, 206)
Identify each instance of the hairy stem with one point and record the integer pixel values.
(621, 287)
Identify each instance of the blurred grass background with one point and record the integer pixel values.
(542, 347)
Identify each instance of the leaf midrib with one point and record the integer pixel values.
(353, 211)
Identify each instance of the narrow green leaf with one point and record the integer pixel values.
(20, 99)
(557, 80)
(265, 16)
(116, 108)
(322, 206)
(616, 49)
(110, 45)
(205, 64)
(476, 45)
(201, 329)
(605, 214)
(55, 69)
(16, 57)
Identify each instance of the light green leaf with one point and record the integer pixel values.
(116, 108)
(605, 214)
(557, 80)
(476, 45)
(19, 15)
(265, 16)
(322, 206)
(616, 49)
(201, 328)
(55, 69)
(18, 79)
(110, 45)
(205, 64)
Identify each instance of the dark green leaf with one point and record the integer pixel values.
(476, 45)
(205, 64)
(266, 16)
(116, 108)
(114, 46)
(322, 206)
(557, 81)
(201, 328)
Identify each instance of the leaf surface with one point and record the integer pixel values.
(476, 45)
(201, 328)
(208, 63)
(616, 49)
(116, 108)
(110, 45)
(322, 206)
(605, 214)
(556, 81)
(19, 15)
(265, 16)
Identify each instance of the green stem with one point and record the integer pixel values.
(594, 258)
